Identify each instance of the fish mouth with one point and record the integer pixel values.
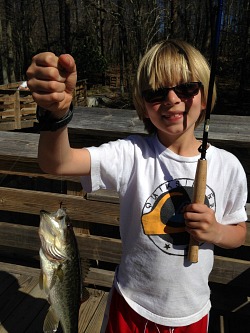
(58, 215)
(52, 233)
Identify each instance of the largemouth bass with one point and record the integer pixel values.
(60, 271)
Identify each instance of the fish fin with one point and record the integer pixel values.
(43, 283)
(84, 265)
(84, 294)
(51, 322)
(41, 276)
(60, 273)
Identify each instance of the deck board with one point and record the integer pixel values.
(23, 306)
(96, 321)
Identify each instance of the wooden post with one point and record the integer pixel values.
(17, 111)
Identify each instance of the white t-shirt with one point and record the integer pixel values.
(154, 184)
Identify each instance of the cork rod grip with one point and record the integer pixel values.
(198, 197)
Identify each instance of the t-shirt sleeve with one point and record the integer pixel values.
(235, 211)
(111, 166)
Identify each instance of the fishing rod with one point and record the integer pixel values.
(201, 171)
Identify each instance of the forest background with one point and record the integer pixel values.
(113, 35)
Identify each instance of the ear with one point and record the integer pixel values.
(203, 106)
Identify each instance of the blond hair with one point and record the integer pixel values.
(167, 64)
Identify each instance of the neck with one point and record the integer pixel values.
(182, 146)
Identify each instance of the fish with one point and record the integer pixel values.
(61, 276)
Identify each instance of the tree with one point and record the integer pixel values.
(7, 53)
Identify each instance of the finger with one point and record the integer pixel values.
(195, 217)
(195, 207)
(47, 73)
(47, 100)
(45, 66)
(45, 59)
(42, 86)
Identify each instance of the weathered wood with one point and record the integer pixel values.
(109, 250)
(19, 109)
(16, 107)
(16, 314)
(80, 93)
(120, 123)
(23, 306)
(95, 323)
(78, 208)
(90, 310)
(90, 247)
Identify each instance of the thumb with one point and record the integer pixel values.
(67, 68)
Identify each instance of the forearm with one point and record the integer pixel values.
(230, 236)
(54, 151)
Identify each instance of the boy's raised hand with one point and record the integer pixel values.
(52, 81)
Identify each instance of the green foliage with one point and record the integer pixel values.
(88, 57)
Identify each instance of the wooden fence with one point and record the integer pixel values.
(18, 109)
(25, 190)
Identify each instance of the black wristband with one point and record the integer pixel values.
(48, 123)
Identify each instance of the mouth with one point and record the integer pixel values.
(174, 115)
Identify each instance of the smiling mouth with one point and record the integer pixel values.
(176, 115)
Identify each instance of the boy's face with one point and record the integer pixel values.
(175, 117)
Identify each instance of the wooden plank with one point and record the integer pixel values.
(100, 277)
(17, 111)
(229, 270)
(7, 113)
(6, 283)
(88, 309)
(96, 321)
(16, 312)
(123, 122)
(19, 269)
(78, 208)
(104, 195)
(26, 289)
(9, 126)
(23, 316)
(90, 247)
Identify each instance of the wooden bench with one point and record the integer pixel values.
(25, 190)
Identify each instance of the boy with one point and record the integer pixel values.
(156, 289)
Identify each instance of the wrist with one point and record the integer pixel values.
(218, 235)
(47, 121)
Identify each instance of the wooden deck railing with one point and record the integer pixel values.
(25, 190)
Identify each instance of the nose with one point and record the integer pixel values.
(171, 97)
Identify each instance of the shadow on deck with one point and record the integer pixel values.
(23, 306)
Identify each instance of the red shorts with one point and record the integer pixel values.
(121, 318)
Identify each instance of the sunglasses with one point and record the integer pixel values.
(183, 91)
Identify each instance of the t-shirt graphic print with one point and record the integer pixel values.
(162, 215)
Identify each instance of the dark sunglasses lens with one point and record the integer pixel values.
(154, 96)
(187, 90)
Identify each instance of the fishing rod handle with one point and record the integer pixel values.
(198, 197)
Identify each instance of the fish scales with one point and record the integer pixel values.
(60, 271)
